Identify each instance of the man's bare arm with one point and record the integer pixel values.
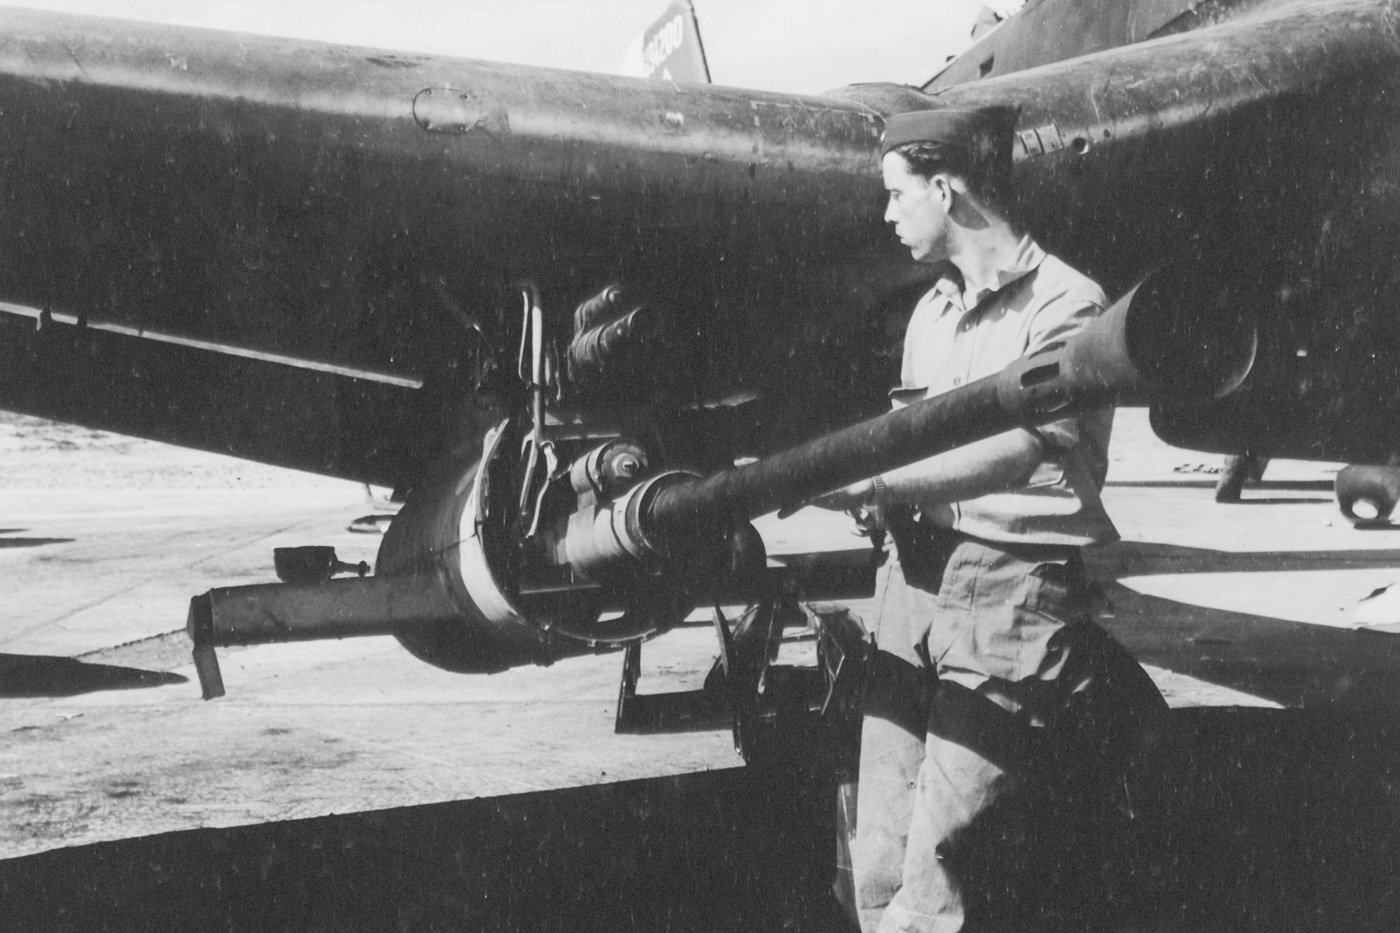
(997, 464)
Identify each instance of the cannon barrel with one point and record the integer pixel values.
(1176, 336)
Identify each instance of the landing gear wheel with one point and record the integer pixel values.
(1368, 494)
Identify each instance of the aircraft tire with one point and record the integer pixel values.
(1368, 494)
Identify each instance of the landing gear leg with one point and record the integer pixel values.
(1238, 469)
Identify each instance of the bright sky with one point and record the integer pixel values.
(802, 46)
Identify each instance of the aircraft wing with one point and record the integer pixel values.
(314, 256)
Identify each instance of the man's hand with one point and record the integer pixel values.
(855, 496)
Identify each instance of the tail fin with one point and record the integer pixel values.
(670, 48)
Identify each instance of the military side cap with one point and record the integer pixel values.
(965, 128)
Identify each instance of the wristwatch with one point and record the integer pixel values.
(877, 491)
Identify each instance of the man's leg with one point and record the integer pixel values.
(892, 741)
(890, 761)
(953, 786)
(973, 743)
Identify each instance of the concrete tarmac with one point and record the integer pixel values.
(103, 541)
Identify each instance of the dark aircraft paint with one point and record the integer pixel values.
(316, 256)
(309, 202)
(315, 203)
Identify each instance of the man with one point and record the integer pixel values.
(986, 657)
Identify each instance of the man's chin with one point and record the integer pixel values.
(917, 252)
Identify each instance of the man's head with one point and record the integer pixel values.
(944, 168)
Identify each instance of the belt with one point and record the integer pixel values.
(926, 548)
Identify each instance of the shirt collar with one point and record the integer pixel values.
(1025, 259)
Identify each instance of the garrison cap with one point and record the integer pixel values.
(989, 126)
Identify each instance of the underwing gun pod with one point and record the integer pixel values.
(565, 538)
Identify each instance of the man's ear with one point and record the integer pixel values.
(944, 189)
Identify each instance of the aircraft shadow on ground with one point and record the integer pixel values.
(1242, 820)
(1279, 501)
(26, 675)
(1292, 663)
(1234, 819)
(737, 849)
(1145, 558)
(30, 542)
(1188, 481)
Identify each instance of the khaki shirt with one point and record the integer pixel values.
(955, 339)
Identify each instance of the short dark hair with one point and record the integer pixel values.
(984, 166)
